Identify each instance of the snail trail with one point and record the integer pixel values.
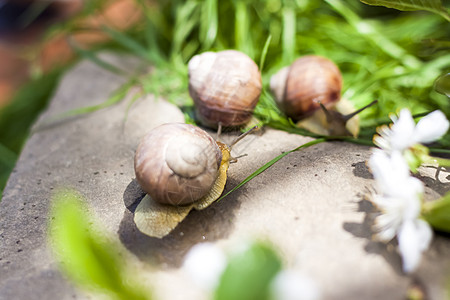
(210, 224)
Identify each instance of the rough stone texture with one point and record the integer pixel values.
(310, 204)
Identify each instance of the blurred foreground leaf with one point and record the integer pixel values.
(86, 256)
(249, 273)
(442, 84)
(437, 213)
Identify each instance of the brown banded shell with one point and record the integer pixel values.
(310, 80)
(177, 163)
(225, 87)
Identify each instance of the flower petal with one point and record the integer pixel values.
(391, 173)
(292, 285)
(431, 127)
(402, 135)
(413, 238)
(425, 234)
(204, 264)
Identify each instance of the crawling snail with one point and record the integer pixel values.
(309, 91)
(225, 87)
(180, 167)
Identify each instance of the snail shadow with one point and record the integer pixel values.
(211, 224)
(364, 231)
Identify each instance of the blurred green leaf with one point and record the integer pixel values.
(378, 39)
(17, 117)
(249, 273)
(187, 17)
(242, 27)
(434, 6)
(86, 256)
(442, 84)
(289, 35)
(209, 23)
(437, 213)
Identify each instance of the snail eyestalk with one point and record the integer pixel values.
(326, 112)
(242, 136)
(219, 130)
(339, 123)
(349, 116)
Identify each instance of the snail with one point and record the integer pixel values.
(225, 87)
(180, 167)
(309, 92)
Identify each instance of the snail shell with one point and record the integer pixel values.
(300, 88)
(177, 163)
(225, 87)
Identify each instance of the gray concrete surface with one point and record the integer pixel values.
(310, 204)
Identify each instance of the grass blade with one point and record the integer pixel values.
(242, 29)
(127, 42)
(92, 56)
(186, 21)
(115, 98)
(270, 163)
(264, 52)
(368, 31)
(209, 23)
(288, 39)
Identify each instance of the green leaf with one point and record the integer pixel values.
(17, 117)
(434, 6)
(249, 273)
(7, 157)
(86, 256)
(437, 213)
(442, 84)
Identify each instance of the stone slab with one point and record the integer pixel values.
(310, 204)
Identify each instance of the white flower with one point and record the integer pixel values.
(204, 264)
(404, 133)
(392, 175)
(394, 212)
(400, 204)
(292, 285)
(414, 237)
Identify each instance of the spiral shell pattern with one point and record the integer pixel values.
(177, 163)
